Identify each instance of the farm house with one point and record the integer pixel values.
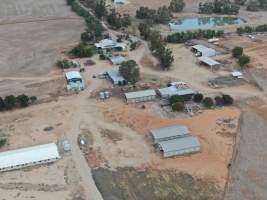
(74, 81)
(168, 133)
(179, 146)
(140, 96)
(29, 156)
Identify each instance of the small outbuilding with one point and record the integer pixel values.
(29, 156)
(201, 50)
(237, 74)
(179, 146)
(117, 60)
(169, 133)
(111, 44)
(74, 80)
(140, 96)
(116, 78)
(209, 62)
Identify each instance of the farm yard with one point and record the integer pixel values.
(97, 94)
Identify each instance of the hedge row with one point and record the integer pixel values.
(251, 29)
(182, 37)
(94, 28)
(10, 102)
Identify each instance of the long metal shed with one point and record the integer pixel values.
(179, 146)
(140, 96)
(115, 77)
(29, 156)
(169, 133)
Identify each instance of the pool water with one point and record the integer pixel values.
(204, 23)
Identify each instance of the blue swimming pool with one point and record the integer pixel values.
(203, 23)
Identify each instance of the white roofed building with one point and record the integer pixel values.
(74, 80)
(29, 156)
(116, 77)
(110, 44)
(176, 88)
(201, 50)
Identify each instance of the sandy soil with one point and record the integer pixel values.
(216, 139)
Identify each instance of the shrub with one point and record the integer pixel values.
(10, 102)
(63, 64)
(2, 142)
(33, 99)
(177, 5)
(237, 52)
(83, 50)
(178, 106)
(23, 100)
(176, 98)
(243, 60)
(198, 97)
(208, 102)
(2, 104)
(227, 100)
(218, 101)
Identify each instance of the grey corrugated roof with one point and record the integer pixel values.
(179, 144)
(117, 60)
(172, 90)
(169, 131)
(208, 61)
(115, 75)
(139, 94)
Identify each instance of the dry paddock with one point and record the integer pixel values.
(32, 36)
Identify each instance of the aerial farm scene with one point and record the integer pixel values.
(133, 100)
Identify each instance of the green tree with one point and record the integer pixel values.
(2, 104)
(144, 30)
(83, 50)
(177, 5)
(198, 98)
(243, 60)
(164, 15)
(237, 52)
(100, 9)
(227, 100)
(178, 106)
(208, 102)
(10, 102)
(23, 100)
(166, 58)
(130, 71)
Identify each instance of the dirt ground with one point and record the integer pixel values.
(32, 36)
(248, 174)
